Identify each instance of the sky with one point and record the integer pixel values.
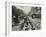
(26, 9)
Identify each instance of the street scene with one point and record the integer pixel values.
(25, 18)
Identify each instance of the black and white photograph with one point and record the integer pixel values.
(25, 18)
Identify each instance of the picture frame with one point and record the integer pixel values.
(8, 15)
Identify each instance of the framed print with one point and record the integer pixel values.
(23, 17)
